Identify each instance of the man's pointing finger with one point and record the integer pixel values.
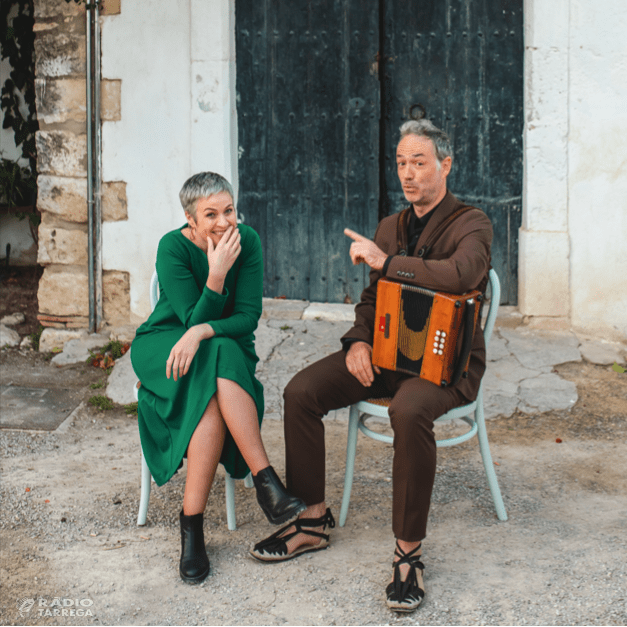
(356, 236)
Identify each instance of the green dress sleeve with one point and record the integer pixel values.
(248, 290)
(190, 304)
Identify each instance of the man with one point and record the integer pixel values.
(458, 261)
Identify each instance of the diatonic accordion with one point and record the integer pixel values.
(417, 331)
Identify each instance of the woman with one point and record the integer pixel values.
(195, 357)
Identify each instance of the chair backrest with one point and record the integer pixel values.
(495, 299)
(154, 290)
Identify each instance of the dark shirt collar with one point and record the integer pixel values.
(416, 225)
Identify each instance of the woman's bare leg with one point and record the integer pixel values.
(240, 415)
(203, 455)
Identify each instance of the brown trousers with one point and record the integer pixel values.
(416, 403)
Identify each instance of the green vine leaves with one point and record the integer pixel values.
(17, 42)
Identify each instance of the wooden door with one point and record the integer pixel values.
(322, 88)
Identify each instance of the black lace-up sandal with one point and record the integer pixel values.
(274, 548)
(405, 596)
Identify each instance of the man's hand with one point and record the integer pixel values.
(359, 363)
(366, 251)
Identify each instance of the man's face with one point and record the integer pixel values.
(424, 183)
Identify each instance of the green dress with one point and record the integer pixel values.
(168, 410)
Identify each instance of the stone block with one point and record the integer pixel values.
(59, 52)
(114, 204)
(111, 100)
(13, 319)
(61, 153)
(78, 350)
(63, 291)
(55, 339)
(111, 7)
(60, 100)
(116, 301)
(63, 246)
(122, 380)
(8, 337)
(54, 8)
(63, 197)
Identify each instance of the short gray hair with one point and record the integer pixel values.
(426, 128)
(202, 185)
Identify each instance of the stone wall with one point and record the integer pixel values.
(62, 161)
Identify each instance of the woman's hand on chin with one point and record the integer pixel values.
(222, 257)
(183, 351)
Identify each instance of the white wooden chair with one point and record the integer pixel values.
(146, 478)
(359, 412)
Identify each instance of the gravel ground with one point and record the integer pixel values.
(559, 560)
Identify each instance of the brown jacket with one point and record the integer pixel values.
(458, 262)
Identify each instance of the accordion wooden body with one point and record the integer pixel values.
(417, 331)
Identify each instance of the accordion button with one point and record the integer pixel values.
(437, 332)
(439, 352)
(435, 351)
(443, 333)
(435, 344)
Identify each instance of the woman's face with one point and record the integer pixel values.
(214, 215)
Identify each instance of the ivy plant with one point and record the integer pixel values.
(17, 41)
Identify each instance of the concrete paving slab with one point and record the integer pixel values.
(510, 369)
(331, 312)
(266, 338)
(121, 381)
(497, 348)
(35, 408)
(546, 392)
(77, 350)
(497, 403)
(538, 349)
(602, 353)
(283, 308)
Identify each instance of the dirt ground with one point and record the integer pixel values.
(70, 498)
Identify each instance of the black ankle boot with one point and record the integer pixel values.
(194, 566)
(278, 506)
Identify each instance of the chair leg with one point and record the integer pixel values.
(351, 447)
(248, 482)
(229, 488)
(145, 492)
(484, 447)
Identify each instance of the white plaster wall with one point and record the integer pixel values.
(544, 247)
(572, 252)
(597, 166)
(175, 60)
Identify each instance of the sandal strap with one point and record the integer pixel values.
(408, 588)
(277, 543)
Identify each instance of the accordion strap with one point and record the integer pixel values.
(425, 249)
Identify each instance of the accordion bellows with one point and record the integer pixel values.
(417, 331)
